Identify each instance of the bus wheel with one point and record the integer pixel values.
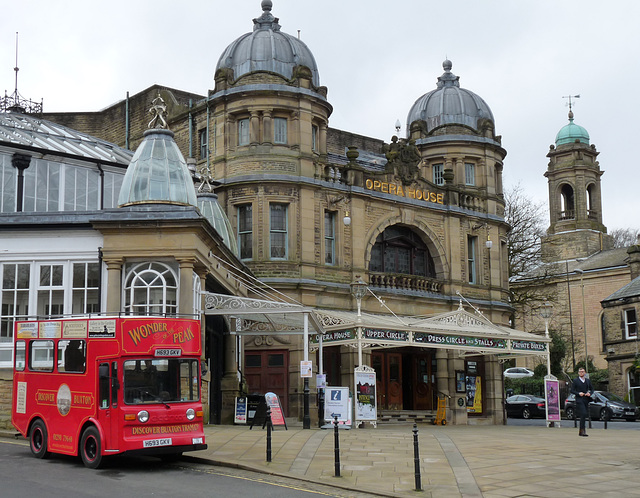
(38, 440)
(91, 448)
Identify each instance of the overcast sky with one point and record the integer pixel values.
(376, 58)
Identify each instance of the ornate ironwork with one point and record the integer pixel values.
(16, 103)
(244, 304)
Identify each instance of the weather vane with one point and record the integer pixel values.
(571, 97)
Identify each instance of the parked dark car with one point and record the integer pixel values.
(525, 406)
(605, 406)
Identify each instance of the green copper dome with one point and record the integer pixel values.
(571, 132)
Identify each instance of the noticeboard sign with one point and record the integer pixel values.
(336, 403)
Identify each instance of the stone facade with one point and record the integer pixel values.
(420, 219)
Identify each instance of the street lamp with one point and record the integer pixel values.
(359, 290)
(584, 321)
(545, 312)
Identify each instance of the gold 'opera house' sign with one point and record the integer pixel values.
(408, 192)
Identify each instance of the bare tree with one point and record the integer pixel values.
(526, 218)
(624, 237)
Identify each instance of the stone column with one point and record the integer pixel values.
(114, 284)
(185, 289)
(322, 139)
(254, 128)
(267, 128)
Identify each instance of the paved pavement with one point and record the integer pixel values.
(455, 461)
(464, 461)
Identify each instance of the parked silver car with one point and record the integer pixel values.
(517, 373)
(605, 406)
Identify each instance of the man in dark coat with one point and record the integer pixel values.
(582, 388)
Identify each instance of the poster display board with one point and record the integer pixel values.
(365, 400)
(272, 401)
(240, 416)
(551, 392)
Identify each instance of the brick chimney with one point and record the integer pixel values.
(633, 258)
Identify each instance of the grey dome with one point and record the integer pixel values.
(449, 104)
(157, 173)
(268, 49)
(212, 211)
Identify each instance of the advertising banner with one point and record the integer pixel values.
(551, 392)
(365, 396)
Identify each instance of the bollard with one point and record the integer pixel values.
(336, 443)
(268, 434)
(416, 458)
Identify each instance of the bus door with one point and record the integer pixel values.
(108, 387)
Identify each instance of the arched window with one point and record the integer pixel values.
(590, 208)
(567, 205)
(150, 289)
(400, 250)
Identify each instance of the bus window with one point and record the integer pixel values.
(41, 356)
(114, 383)
(21, 353)
(158, 381)
(72, 356)
(104, 385)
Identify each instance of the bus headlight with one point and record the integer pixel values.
(143, 416)
(191, 414)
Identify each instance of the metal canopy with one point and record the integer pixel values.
(457, 330)
(261, 316)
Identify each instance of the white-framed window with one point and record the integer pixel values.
(243, 131)
(41, 187)
(469, 173)
(279, 130)
(329, 238)
(438, 171)
(278, 228)
(15, 303)
(112, 186)
(202, 138)
(86, 288)
(50, 289)
(197, 294)
(472, 247)
(630, 323)
(8, 185)
(81, 189)
(314, 138)
(151, 288)
(245, 231)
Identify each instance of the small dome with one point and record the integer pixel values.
(571, 132)
(157, 173)
(212, 211)
(268, 49)
(449, 104)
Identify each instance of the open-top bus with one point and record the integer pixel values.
(103, 386)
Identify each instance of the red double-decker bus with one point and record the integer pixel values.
(103, 386)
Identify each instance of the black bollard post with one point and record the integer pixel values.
(589, 415)
(336, 443)
(268, 434)
(416, 458)
(320, 407)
